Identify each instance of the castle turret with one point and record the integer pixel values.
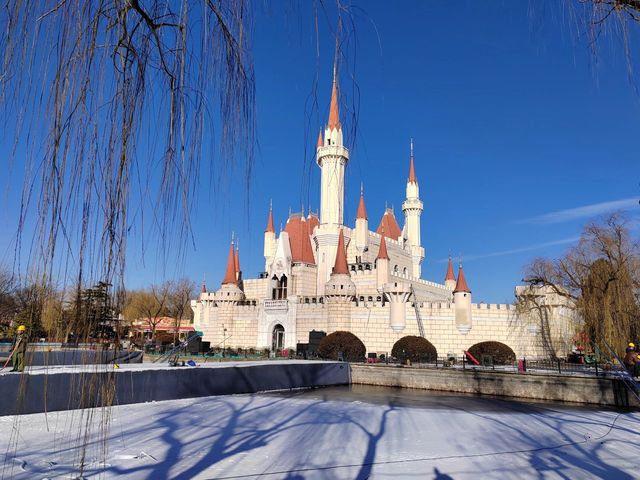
(382, 265)
(332, 158)
(412, 208)
(339, 291)
(362, 226)
(270, 243)
(229, 293)
(450, 278)
(462, 303)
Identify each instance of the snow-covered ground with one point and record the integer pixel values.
(333, 433)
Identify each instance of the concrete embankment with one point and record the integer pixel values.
(564, 388)
(67, 388)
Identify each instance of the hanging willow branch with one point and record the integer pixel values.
(115, 100)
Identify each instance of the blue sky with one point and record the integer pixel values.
(520, 138)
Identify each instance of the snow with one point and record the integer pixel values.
(339, 432)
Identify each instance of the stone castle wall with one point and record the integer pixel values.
(250, 326)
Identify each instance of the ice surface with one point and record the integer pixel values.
(333, 433)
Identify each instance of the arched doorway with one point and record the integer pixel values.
(277, 338)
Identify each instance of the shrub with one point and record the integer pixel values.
(500, 352)
(351, 347)
(414, 348)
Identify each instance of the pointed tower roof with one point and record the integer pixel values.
(320, 142)
(204, 288)
(450, 275)
(270, 221)
(341, 266)
(389, 225)
(382, 252)
(362, 211)
(230, 273)
(412, 170)
(334, 114)
(461, 284)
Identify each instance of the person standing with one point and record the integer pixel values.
(19, 349)
(631, 360)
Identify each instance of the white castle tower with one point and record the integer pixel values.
(362, 226)
(412, 208)
(332, 158)
(339, 291)
(462, 303)
(270, 242)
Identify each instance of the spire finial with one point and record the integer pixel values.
(361, 189)
(232, 236)
(271, 204)
(412, 170)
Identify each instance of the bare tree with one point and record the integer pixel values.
(149, 305)
(598, 278)
(179, 298)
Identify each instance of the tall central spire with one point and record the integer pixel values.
(334, 113)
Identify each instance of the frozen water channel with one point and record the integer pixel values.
(333, 433)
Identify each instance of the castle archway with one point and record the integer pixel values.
(277, 338)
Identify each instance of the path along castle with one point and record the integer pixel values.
(321, 274)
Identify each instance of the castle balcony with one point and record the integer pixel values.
(276, 305)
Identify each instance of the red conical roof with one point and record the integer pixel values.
(204, 288)
(320, 142)
(270, 222)
(450, 275)
(412, 172)
(299, 231)
(341, 257)
(389, 225)
(334, 115)
(382, 252)
(461, 284)
(362, 211)
(230, 274)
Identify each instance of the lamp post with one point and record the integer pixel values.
(224, 340)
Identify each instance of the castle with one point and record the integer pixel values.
(321, 274)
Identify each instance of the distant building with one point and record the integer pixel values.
(165, 327)
(321, 274)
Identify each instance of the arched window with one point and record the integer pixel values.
(404, 271)
(279, 288)
(395, 269)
